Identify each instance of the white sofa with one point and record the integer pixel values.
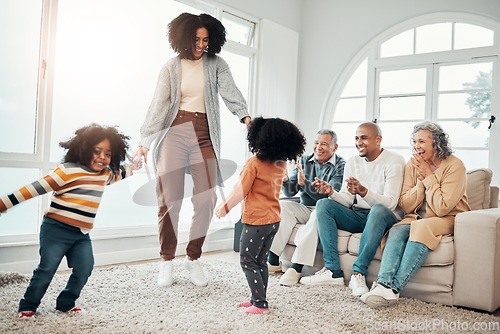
(465, 268)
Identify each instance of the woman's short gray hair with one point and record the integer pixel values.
(440, 141)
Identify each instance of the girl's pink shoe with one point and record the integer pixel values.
(245, 304)
(256, 310)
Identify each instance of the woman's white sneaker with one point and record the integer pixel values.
(196, 270)
(166, 273)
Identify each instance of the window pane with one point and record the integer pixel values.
(238, 30)
(433, 38)
(24, 217)
(467, 76)
(356, 86)
(398, 45)
(107, 69)
(347, 151)
(396, 134)
(473, 159)
(464, 105)
(345, 134)
(20, 23)
(472, 36)
(350, 110)
(409, 107)
(467, 134)
(118, 196)
(233, 137)
(405, 153)
(402, 81)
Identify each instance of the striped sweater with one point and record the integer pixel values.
(77, 192)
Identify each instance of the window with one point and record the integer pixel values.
(238, 29)
(103, 69)
(442, 70)
(19, 74)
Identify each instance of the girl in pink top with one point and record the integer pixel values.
(273, 140)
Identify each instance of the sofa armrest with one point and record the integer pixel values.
(494, 197)
(477, 259)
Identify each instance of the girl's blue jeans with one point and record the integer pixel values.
(374, 222)
(56, 241)
(401, 259)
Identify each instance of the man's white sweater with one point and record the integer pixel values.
(383, 177)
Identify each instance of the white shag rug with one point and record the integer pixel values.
(126, 299)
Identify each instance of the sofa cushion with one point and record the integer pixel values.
(443, 255)
(478, 188)
(343, 239)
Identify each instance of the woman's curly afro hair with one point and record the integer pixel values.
(182, 34)
(81, 146)
(275, 139)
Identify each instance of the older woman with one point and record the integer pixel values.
(433, 194)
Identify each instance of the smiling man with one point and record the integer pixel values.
(367, 202)
(325, 165)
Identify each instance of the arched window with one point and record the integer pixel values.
(440, 67)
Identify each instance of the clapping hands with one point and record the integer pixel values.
(322, 187)
(355, 187)
(301, 178)
(422, 167)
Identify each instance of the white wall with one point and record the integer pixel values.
(334, 31)
(276, 75)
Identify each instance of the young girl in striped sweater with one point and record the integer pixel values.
(273, 140)
(92, 161)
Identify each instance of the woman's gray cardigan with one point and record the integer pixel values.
(167, 96)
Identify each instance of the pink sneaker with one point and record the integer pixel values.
(27, 315)
(245, 304)
(256, 310)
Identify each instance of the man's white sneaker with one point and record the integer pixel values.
(322, 277)
(290, 277)
(357, 283)
(165, 273)
(379, 296)
(196, 270)
(274, 269)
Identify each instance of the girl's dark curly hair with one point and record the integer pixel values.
(81, 146)
(182, 34)
(275, 139)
